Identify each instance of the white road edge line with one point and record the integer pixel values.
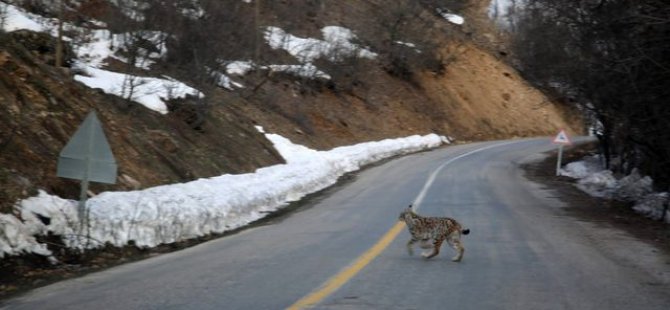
(419, 199)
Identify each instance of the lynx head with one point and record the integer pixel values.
(407, 213)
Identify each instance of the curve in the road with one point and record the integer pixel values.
(349, 272)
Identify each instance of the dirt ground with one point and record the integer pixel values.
(18, 275)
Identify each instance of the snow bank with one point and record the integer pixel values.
(634, 186)
(17, 237)
(583, 168)
(597, 182)
(170, 213)
(654, 206)
(600, 184)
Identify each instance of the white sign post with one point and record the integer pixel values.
(561, 139)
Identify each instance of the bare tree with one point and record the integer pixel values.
(3, 15)
(129, 87)
(613, 62)
(59, 40)
(399, 21)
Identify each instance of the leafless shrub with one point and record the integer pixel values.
(3, 15)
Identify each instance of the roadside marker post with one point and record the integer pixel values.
(561, 139)
(87, 157)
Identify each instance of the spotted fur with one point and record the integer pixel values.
(438, 229)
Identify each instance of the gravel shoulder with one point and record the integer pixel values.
(610, 214)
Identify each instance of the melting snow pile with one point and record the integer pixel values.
(170, 213)
(598, 182)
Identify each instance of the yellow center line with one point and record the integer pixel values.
(345, 275)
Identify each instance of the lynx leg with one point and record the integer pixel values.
(425, 244)
(410, 246)
(436, 249)
(458, 246)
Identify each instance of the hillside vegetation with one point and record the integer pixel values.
(427, 75)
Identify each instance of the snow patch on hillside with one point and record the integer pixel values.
(336, 45)
(93, 47)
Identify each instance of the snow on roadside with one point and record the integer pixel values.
(598, 182)
(169, 213)
(583, 168)
(654, 206)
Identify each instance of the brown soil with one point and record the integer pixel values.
(474, 96)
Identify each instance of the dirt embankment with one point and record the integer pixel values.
(475, 97)
(488, 99)
(42, 107)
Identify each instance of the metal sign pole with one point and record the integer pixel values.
(83, 219)
(561, 139)
(560, 157)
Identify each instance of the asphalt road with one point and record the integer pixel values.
(523, 252)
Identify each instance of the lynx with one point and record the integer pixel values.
(437, 228)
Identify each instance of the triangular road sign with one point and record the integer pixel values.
(88, 156)
(562, 138)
